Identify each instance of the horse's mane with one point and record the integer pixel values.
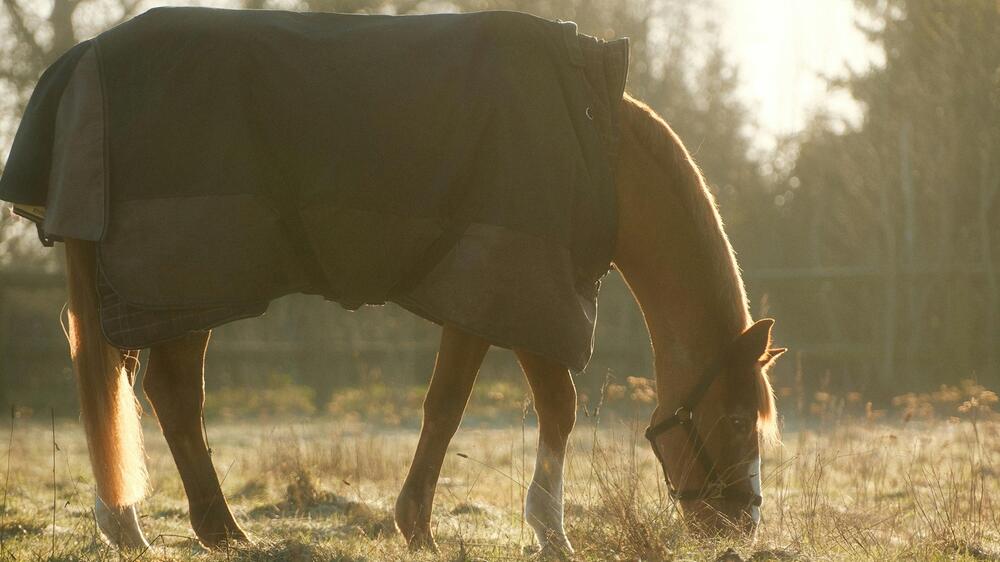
(653, 132)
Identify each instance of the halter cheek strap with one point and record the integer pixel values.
(683, 418)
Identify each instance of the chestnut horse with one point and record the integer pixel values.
(714, 402)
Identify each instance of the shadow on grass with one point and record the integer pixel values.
(303, 498)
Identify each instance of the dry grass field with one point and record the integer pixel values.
(911, 485)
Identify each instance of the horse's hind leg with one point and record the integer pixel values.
(109, 410)
(555, 403)
(175, 385)
(451, 384)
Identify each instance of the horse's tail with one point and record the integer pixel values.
(109, 408)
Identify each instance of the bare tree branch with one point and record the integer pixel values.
(24, 34)
(63, 31)
(129, 7)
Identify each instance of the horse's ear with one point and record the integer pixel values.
(753, 345)
(770, 355)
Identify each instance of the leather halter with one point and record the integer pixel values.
(683, 417)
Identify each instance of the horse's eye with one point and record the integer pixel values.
(740, 424)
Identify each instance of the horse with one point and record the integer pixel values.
(715, 407)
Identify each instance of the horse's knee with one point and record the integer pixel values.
(554, 398)
(442, 419)
(564, 403)
(555, 404)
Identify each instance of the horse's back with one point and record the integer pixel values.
(237, 156)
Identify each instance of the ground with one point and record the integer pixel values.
(322, 490)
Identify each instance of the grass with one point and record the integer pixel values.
(851, 488)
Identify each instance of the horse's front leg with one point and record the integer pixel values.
(555, 403)
(458, 361)
(175, 385)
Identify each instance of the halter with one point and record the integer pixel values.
(684, 418)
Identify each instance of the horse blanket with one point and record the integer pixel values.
(460, 165)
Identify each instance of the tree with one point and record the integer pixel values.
(34, 39)
(913, 191)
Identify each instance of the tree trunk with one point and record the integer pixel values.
(989, 187)
(63, 32)
(887, 374)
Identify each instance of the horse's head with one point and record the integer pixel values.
(708, 442)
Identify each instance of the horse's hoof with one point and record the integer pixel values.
(550, 551)
(554, 552)
(221, 536)
(216, 527)
(225, 540)
(416, 532)
(120, 526)
(422, 541)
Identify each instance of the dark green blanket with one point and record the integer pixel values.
(459, 165)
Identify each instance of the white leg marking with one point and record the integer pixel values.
(543, 507)
(755, 486)
(120, 525)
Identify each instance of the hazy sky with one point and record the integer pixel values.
(783, 48)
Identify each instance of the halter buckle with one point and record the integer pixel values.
(684, 414)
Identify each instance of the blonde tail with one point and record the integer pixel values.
(109, 408)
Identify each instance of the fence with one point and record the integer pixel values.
(842, 323)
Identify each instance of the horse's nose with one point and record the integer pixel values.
(724, 518)
(746, 519)
(751, 520)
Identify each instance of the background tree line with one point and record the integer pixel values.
(875, 245)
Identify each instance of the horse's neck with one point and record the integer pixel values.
(666, 260)
(685, 336)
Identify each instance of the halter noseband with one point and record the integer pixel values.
(683, 417)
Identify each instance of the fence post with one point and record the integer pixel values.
(990, 187)
(890, 279)
(4, 357)
(914, 331)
